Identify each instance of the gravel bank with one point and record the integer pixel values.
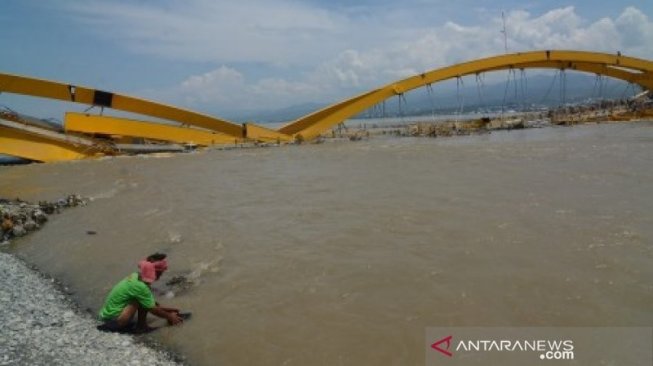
(38, 326)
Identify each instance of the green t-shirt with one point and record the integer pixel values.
(124, 293)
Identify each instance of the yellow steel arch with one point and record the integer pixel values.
(74, 93)
(643, 79)
(630, 69)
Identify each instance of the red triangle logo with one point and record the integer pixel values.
(445, 351)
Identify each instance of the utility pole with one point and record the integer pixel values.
(505, 32)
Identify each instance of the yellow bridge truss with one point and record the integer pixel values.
(80, 94)
(201, 129)
(630, 69)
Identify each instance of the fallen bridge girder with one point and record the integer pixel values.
(259, 133)
(40, 148)
(92, 124)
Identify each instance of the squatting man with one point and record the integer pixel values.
(133, 296)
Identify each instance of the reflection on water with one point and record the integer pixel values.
(342, 253)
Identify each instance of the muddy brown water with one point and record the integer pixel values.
(342, 253)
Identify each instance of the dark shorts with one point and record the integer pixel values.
(112, 326)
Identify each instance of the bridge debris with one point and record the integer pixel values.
(606, 110)
(598, 112)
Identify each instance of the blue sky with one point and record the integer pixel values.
(228, 57)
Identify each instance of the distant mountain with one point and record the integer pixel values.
(279, 115)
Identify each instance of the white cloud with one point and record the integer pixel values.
(636, 32)
(227, 88)
(213, 86)
(562, 29)
(280, 31)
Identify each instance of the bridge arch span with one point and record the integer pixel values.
(617, 66)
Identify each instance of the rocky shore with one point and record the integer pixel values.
(18, 218)
(40, 325)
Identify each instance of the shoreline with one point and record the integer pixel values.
(452, 127)
(42, 323)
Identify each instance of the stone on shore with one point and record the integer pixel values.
(18, 218)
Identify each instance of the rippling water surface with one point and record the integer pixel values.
(342, 253)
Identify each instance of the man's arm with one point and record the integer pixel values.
(175, 310)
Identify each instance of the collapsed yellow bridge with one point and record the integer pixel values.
(86, 135)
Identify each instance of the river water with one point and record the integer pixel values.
(343, 253)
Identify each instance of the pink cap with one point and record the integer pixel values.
(147, 270)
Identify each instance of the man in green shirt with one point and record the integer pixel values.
(133, 295)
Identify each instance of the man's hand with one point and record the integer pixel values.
(174, 318)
